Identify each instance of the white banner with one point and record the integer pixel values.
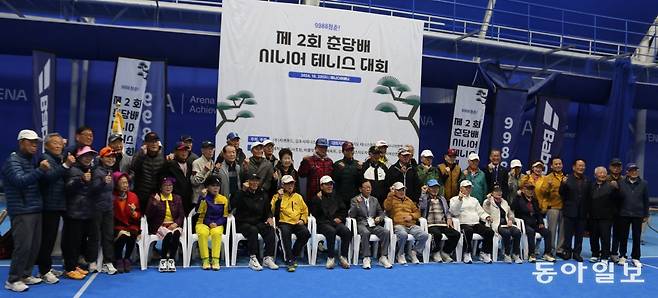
(294, 73)
(128, 96)
(467, 122)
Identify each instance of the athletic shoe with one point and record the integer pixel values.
(637, 263)
(171, 265)
(614, 258)
(414, 258)
(564, 256)
(578, 258)
(109, 269)
(120, 265)
(548, 258)
(467, 258)
(343, 262)
(81, 271)
(93, 267)
(269, 263)
(446, 257)
(516, 259)
(436, 257)
(508, 259)
(621, 261)
(532, 258)
(331, 263)
(383, 260)
(75, 275)
(215, 264)
(366, 263)
(485, 258)
(205, 264)
(17, 286)
(593, 260)
(126, 265)
(163, 265)
(31, 280)
(401, 259)
(291, 266)
(254, 264)
(50, 278)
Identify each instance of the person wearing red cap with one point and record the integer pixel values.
(181, 169)
(346, 174)
(126, 221)
(450, 174)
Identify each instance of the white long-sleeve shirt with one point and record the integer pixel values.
(467, 210)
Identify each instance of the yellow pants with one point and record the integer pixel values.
(215, 237)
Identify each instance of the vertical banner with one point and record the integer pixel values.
(127, 100)
(470, 104)
(293, 73)
(507, 123)
(549, 129)
(43, 100)
(153, 112)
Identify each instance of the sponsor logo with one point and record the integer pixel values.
(552, 122)
(44, 84)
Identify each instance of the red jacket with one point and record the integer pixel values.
(313, 168)
(123, 221)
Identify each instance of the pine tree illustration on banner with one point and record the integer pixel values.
(390, 85)
(232, 102)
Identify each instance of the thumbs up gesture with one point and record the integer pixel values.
(86, 177)
(70, 160)
(44, 165)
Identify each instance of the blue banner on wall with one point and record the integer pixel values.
(507, 123)
(153, 111)
(549, 129)
(43, 102)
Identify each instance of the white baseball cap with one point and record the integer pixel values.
(381, 143)
(473, 156)
(403, 151)
(426, 153)
(267, 142)
(465, 183)
(398, 185)
(256, 144)
(287, 179)
(326, 179)
(515, 163)
(27, 134)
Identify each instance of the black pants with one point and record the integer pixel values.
(532, 242)
(330, 230)
(484, 231)
(286, 230)
(438, 232)
(74, 233)
(616, 232)
(103, 234)
(599, 237)
(49, 231)
(170, 245)
(574, 228)
(26, 232)
(635, 223)
(124, 242)
(251, 232)
(511, 239)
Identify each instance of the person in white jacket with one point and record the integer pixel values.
(471, 217)
(502, 221)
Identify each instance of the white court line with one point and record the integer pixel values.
(85, 286)
(650, 266)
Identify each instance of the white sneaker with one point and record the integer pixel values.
(171, 265)
(109, 269)
(446, 257)
(517, 259)
(467, 258)
(17, 286)
(401, 259)
(508, 259)
(331, 263)
(485, 258)
(383, 260)
(637, 263)
(548, 258)
(436, 257)
(622, 261)
(57, 273)
(163, 265)
(93, 267)
(269, 263)
(414, 258)
(593, 260)
(343, 262)
(50, 278)
(366, 263)
(254, 264)
(31, 280)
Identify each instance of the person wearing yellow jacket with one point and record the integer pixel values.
(213, 211)
(550, 202)
(291, 216)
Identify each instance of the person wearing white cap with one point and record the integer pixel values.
(477, 178)
(495, 173)
(382, 146)
(268, 150)
(330, 213)
(426, 171)
(403, 171)
(471, 217)
(405, 215)
(291, 216)
(257, 164)
(514, 180)
(24, 205)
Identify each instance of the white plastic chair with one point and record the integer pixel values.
(237, 237)
(476, 237)
(279, 241)
(356, 242)
(316, 238)
(146, 243)
(524, 239)
(194, 238)
(428, 243)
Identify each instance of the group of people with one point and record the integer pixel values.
(101, 196)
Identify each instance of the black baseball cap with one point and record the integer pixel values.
(186, 138)
(207, 144)
(151, 137)
(113, 137)
(616, 162)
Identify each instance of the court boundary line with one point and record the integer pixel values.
(85, 286)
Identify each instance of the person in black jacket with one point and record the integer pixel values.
(574, 190)
(404, 171)
(102, 187)
(330, 212)
(346, 173)
(375, 171)
(495, 173)
(526, 207)
(253, 216)
(633, 211)
(181, 169)
(145, 169)
(601, 212)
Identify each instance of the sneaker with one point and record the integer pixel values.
(254, 264)
(120, 265)
(343, 262)
(269, 263)
(401, 259)
(31, 280)
(126, 265)
(205, 264)
(57, 273)
(446, 257)
(614, 258)
(467, 258)
(163, 265)
(508, 259)
(593, 260)
(564, 256)
(485, 258)
(93, 267)
(109, 269)
(50, 278)
(75, 275)
(621, 261)
(17, 286)
(331, 263)
(215, 264)
(291, 266)
(637, 263)
(171, 265)
(532, 259)
(414, 258)
(548, 258)
(81, 271)
(517, 259)
(578, 258)
(436, 257)
(366, 263)
(383, 260)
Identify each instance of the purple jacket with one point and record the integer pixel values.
(155, 212)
